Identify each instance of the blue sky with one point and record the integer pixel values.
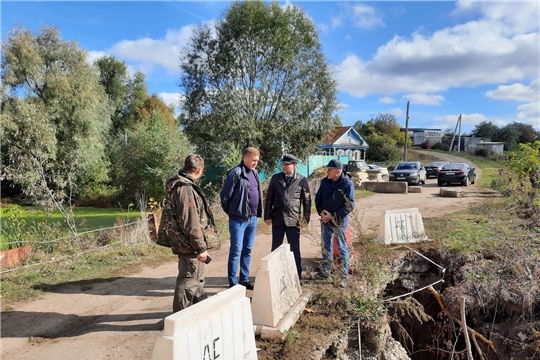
(478, 59)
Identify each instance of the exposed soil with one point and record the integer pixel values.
(121, 319)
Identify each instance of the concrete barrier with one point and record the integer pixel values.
(455, 193)
(220, 327)
(278, 300)
(401, 226)
(415, 189)
(393, 187)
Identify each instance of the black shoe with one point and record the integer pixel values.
(247, 285)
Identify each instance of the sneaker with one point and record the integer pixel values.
(247, 285)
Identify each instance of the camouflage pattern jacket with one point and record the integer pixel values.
(186, 215)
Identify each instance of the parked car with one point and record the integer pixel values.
(356, 165)
(376, 168)
(411, 171)
(456, 173)
(432, 169)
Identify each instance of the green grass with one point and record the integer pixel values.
(22, 219)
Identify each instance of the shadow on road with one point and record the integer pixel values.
(125, 286)
(53, 325)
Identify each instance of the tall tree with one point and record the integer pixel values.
(151, 151)
(383, 125)
(527, 134)
(509, 135)
(126, 94)
(55, 115)
(485, 129)
(154, 103)
(258, 78)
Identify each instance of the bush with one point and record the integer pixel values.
(484, 152)
(440, 146)
(426, 145)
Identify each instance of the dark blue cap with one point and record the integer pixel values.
(334, 164)
(288, 158)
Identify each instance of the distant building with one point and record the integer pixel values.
(421, 135)
(469, 143)
(344, 141)
(497, 147)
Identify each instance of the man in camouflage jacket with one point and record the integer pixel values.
(187, 238)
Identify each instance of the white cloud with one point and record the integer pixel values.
(336, 21)
(530, 113)
(397, 112)
(516, 92)
(366, 17)
(94, 55)
(424, 99)
(386, 100)
(171, 98)
(493, 49)
(148, 52)
(343, 106)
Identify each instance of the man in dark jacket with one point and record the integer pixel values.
(334, 201)
(192, 216)
(287, 193)
(241, 199)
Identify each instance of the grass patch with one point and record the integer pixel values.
(29, 222)
(490, 228)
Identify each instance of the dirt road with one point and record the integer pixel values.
(120, 319)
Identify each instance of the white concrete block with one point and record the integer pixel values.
(220, 327)
(277, 287)
(401, 226)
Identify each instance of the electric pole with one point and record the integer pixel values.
(459, 136)
(455, 130)
(406, 132)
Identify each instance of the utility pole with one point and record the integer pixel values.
(459, 136)
(455, 130)
(406, 132)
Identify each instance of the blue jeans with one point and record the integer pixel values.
(242, 242)
(328, 249)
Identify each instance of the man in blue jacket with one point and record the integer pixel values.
(241, 199)
(334, 201)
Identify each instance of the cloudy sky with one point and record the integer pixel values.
(478, 59)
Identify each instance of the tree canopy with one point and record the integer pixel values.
(257, 77)
(55, 114)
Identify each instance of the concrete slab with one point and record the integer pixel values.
(392, 187)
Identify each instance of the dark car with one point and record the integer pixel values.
(432, 169)
(458, 173)
(412, 172)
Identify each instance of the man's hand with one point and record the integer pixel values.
(303, 224)
(326, 216)
(202, 256)
(268, 222)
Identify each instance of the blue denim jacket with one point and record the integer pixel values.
(235, 194)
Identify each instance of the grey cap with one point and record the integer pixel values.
(288, 158)
(334, 164)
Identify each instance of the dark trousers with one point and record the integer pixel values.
(189, 288)
(293, 238)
